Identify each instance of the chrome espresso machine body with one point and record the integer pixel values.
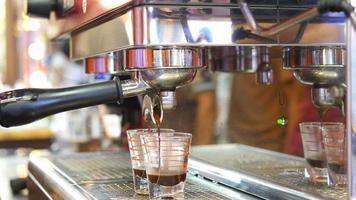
(161, 45)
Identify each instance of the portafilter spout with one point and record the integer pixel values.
(327, 96)
(152, 108)
(155, 103)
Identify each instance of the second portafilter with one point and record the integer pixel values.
(323, 68)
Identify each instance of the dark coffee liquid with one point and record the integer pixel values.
(140, 172)
(167, 179)
(157, 118)
(317, 163)
(337, 168)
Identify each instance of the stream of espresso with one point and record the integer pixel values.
(164, 177)
(157, 117)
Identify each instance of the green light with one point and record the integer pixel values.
(282, 121)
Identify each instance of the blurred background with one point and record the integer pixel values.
(215, 108)
(29, 59)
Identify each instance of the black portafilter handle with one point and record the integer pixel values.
(23, 106)
(335, 6)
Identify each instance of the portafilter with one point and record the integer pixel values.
(156, 69)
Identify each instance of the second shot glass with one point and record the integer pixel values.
(137, 160)
(334, 137)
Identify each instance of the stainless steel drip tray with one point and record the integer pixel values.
(104, 176)
(267, 174)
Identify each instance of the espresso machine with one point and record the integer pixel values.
(161, 45)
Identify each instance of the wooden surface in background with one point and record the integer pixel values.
(11, 64)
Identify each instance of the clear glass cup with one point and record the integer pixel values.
(334, 137)
(166, 160)
(314, 153)
(137, 160)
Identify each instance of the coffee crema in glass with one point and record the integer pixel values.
(137, 157)
(166, 160)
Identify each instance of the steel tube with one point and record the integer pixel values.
(277, 28)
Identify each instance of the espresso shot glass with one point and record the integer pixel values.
(166, 160)
(314, 152)
(334, 137)
(137, 159)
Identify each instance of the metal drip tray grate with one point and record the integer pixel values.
(125, 191)
(295, 178)
(82, 168)
(257, 169)
(108, 176)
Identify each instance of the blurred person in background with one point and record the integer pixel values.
(254, 109)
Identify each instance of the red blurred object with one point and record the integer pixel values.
(309, 113)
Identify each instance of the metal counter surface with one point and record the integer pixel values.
(264, 173)
(105, 176)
